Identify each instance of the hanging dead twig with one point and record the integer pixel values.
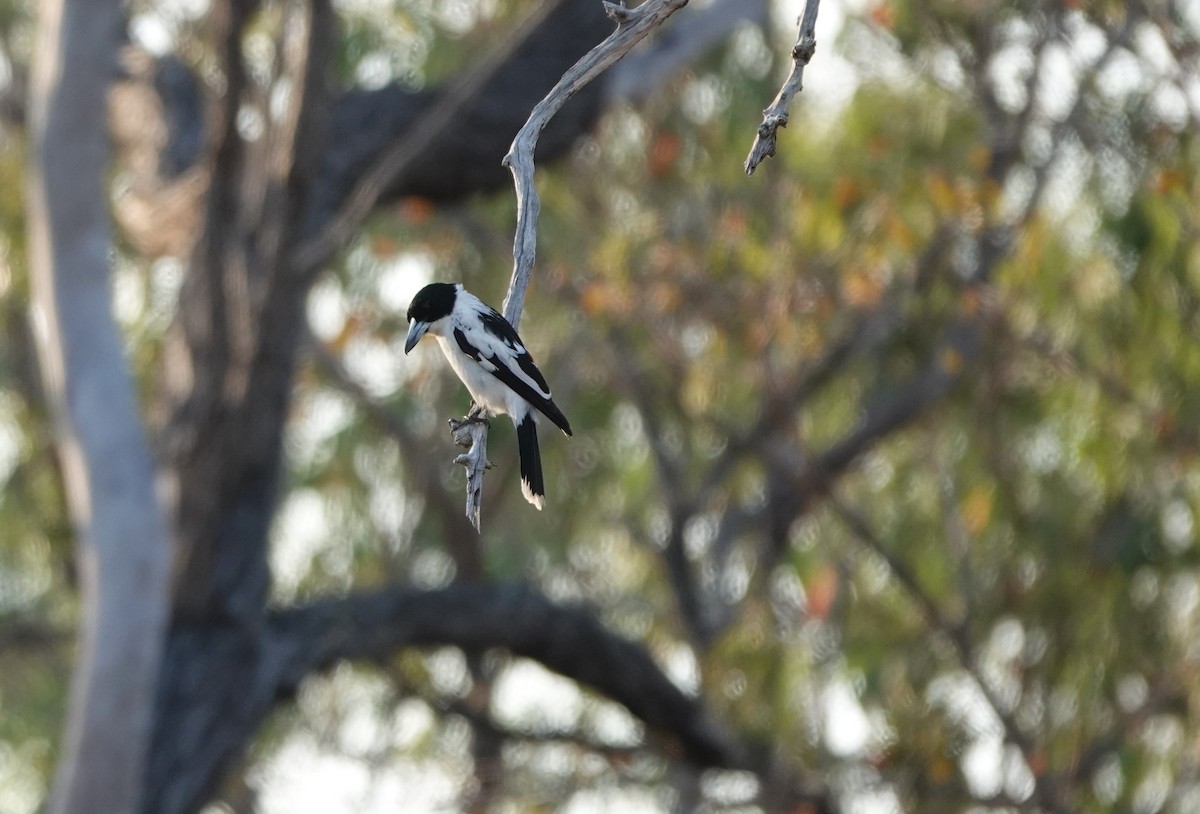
(776, 115)
(632, 27)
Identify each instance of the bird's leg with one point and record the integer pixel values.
(477, 415)
(467, 432)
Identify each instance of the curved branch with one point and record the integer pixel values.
(568, 640)
(223, 681)
(632, 26)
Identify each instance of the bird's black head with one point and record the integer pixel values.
(433, 302)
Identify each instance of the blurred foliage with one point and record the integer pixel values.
(37, 571)
(1006, 585)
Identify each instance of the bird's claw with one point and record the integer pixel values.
(457, 424)
(465, 460)
(460, 429)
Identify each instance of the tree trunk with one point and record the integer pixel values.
(122, 541)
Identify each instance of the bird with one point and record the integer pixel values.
(489, 357)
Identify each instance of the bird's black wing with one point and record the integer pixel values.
(501, 327)
(530, 386)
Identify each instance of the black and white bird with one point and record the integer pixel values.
(484, 350)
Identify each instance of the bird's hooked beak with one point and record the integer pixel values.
(415, 332)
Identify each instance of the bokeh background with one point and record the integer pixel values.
(887, 455)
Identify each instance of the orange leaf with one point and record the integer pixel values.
(861, 290)
(951, 360)
(977, 510)
(884, 16)
(821, 589)
(384, 246)
(594, 299)
(416, 210)
(663, 153)
(845, 192)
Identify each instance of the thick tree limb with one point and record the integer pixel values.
(465, 156)
(318, 250)
(232, 353)
(632, 26)
(121, 530)
(226, 680)
(776, 114)
(513, 616)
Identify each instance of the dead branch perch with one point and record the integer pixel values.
(776, 115)
(632, 26)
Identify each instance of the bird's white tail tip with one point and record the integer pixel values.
(538, 501)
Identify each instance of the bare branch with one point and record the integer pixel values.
(513, 616)
(632, 26)
(776, 115)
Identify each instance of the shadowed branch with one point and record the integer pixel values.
(568, 640)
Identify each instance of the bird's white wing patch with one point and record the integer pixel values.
(491, 360)
(496, 349)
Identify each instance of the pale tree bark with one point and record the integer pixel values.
(776, 114)
(121, 532)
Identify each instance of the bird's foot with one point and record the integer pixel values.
(461, 431)
(468, 461)
(477, 415)
(460, 428)
(457, 424)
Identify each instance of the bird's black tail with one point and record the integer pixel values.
(532, 485)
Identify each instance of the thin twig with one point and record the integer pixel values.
(776, 115)
(632, 26)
